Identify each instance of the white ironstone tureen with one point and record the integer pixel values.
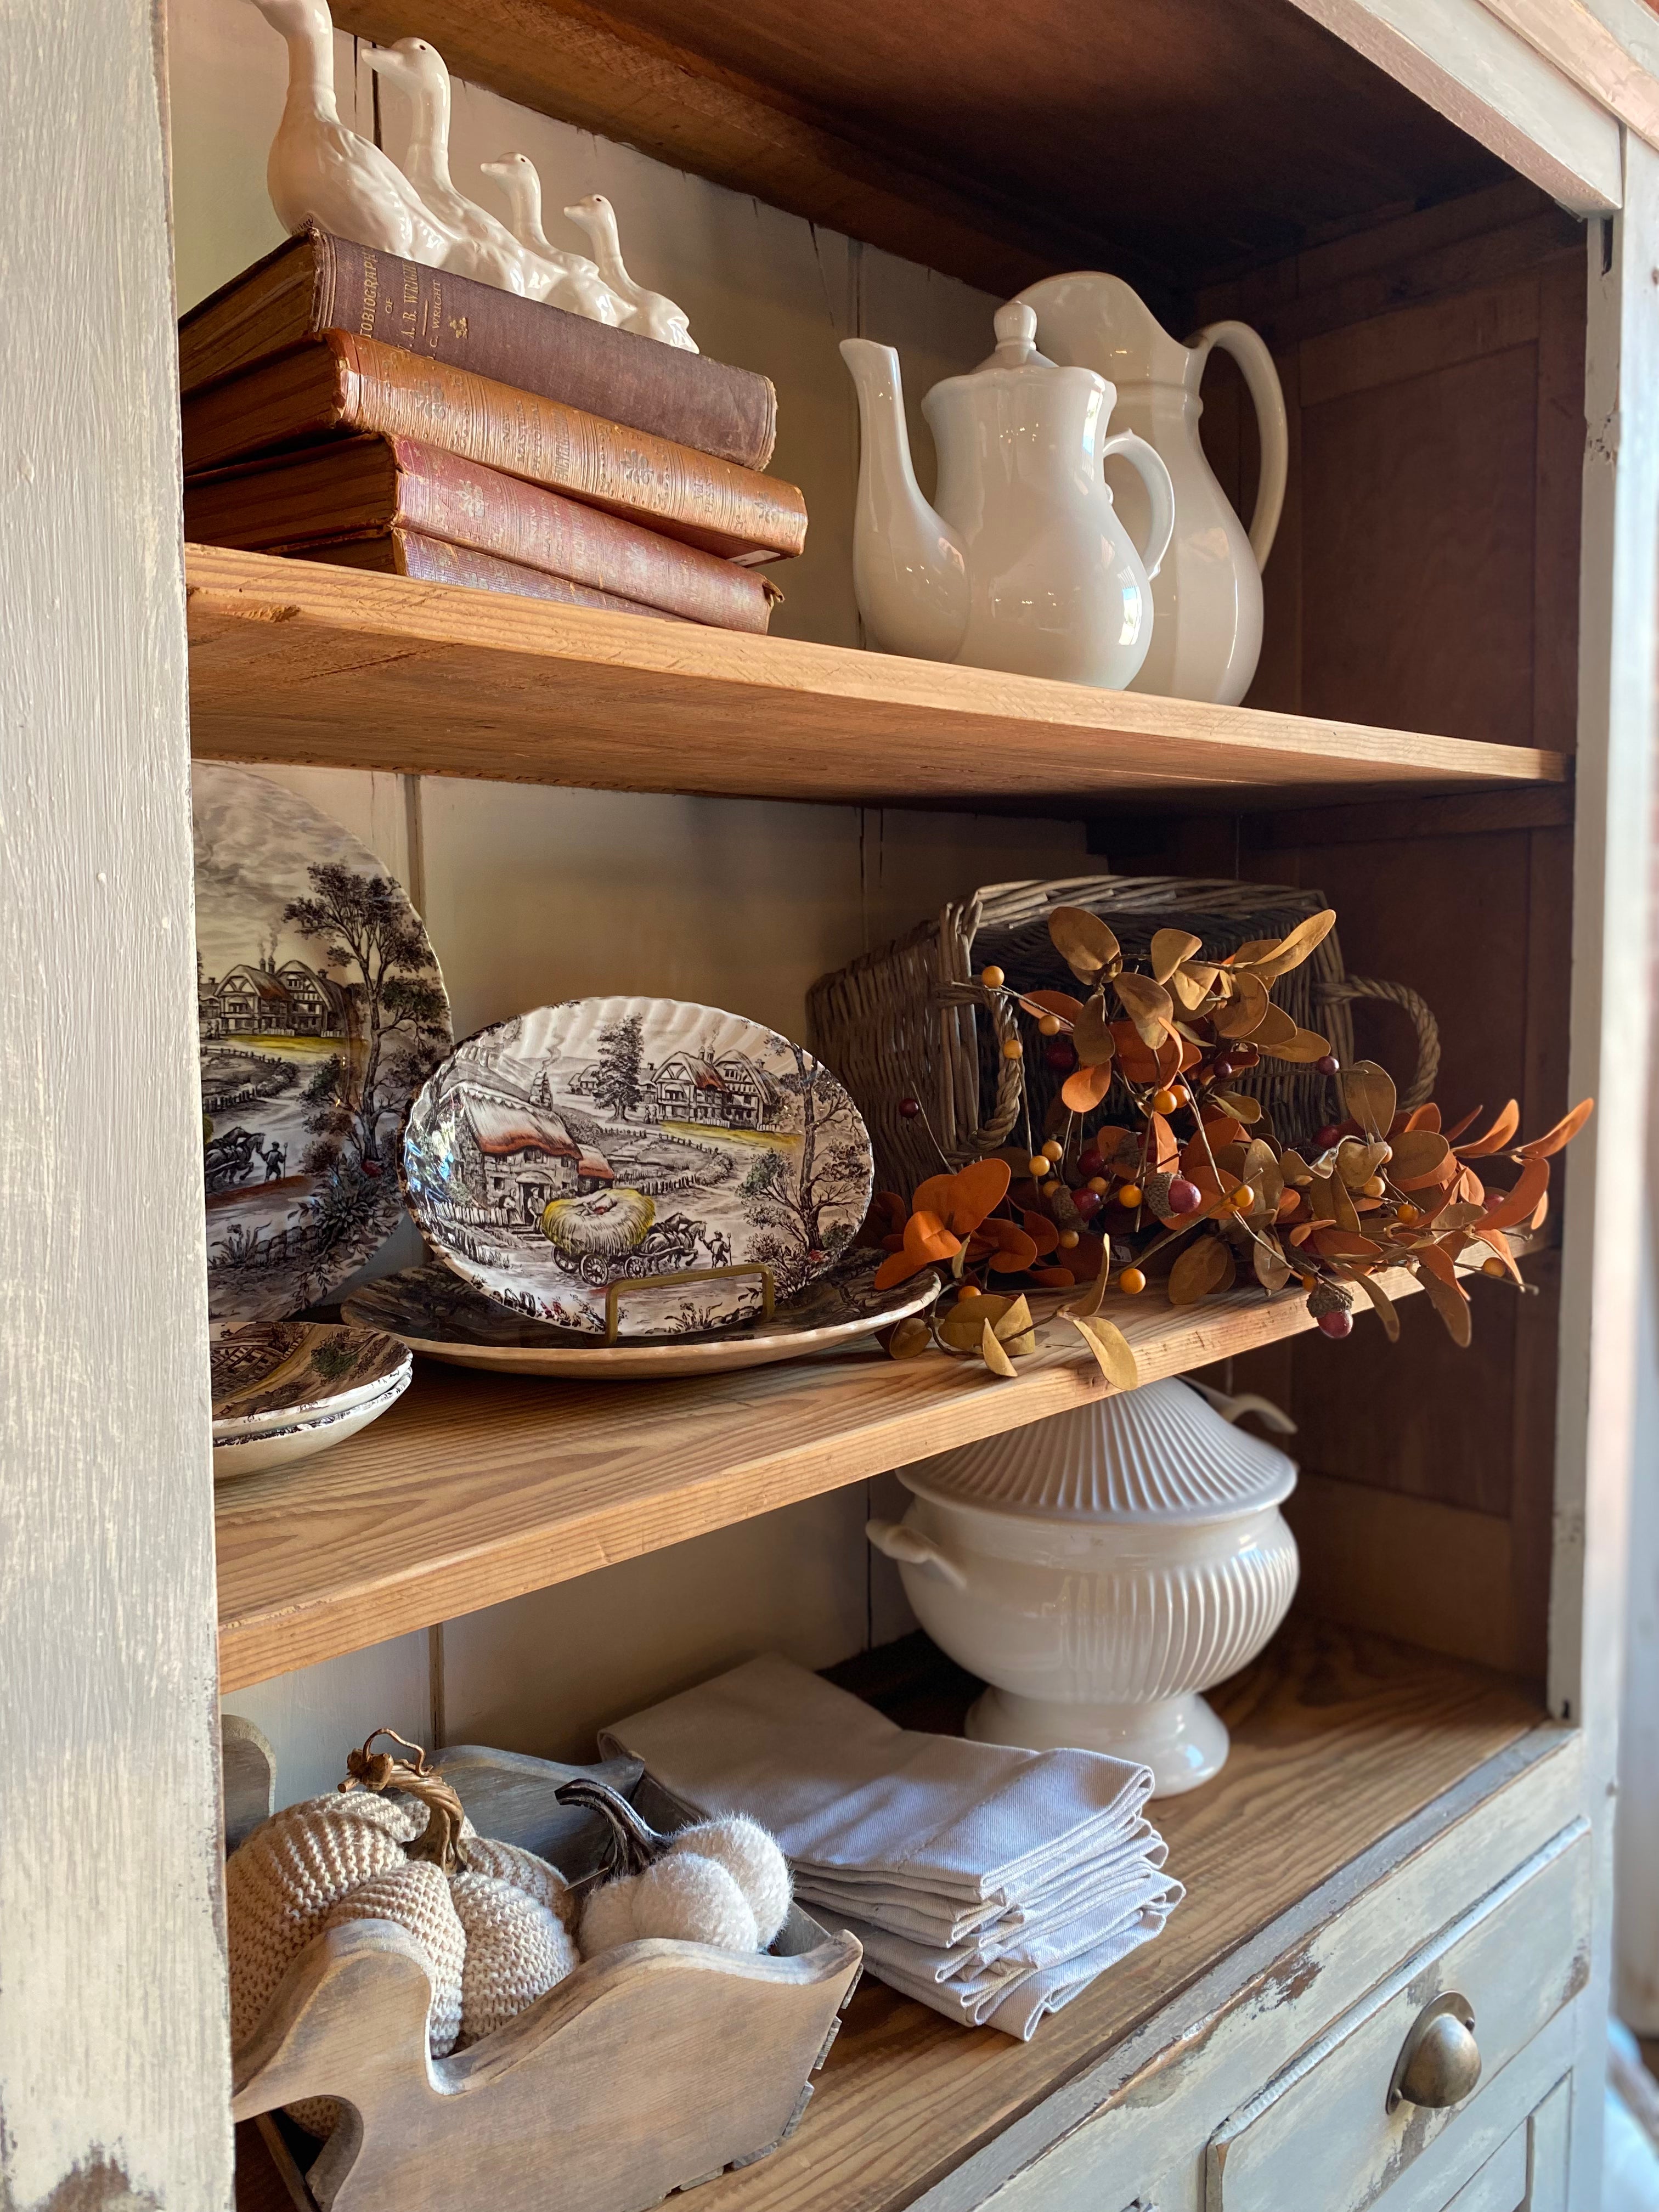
(1099, 1569)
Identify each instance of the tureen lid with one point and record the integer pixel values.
(1159, 1453)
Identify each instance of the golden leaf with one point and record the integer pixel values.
(1418, 1156)
(1199, 1270)
(1368, 1093)
(1170, 948)
(1236, 1103)
(1262, 1170)
(909, 1340)
(1110, 1347)
(1356, 1163)
(1384, 1305)
(1091, 1036)
(992, 1353)
(1291, 952)
(1303, 1048)
(1013, 1322)
(1083, 941)
(1080, 1308)
(1275, 1027)
(1187, 990)
(1273, 1269)
(1051, 1002)
(1148, 1006)
(1447, 1298)
(1243, 1016)
(960, 1328)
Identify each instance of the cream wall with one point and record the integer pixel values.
(532, 893)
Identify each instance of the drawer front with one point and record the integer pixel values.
(1501, 2184)
(1517, 1956)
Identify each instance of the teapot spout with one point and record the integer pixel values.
(909, 573)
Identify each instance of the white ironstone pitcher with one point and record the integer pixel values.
(1207, 594)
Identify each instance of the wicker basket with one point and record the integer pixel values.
(908, 1019)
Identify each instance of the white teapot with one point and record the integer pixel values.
(1208, 593)
(1025, 565)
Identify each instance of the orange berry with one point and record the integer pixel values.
(1098, 1183)
(1050, 1024)
(1013, 1049)
(992, 978)
(1377, 1187)
(1130, 1193)
(1493, 1267)
(1068, 1240)
(1165, 1102)
(1053, 1149)
(1038, 1166)
(1408, 1214)
(969, 1290)
(1242, 1199)
(1132, 1282)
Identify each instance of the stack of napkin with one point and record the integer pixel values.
(992, 1884)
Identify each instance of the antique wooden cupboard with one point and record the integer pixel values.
(1444, 215)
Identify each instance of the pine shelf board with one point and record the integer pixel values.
(296, 661)
(478, 1487)
(1339, 1738)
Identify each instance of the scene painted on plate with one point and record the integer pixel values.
(614, 1140)
(320, 1010)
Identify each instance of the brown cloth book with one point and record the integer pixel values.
(316, 282)
(363, 487)
(430, 561)
(342, 384)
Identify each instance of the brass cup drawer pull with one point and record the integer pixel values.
(1439, 2063)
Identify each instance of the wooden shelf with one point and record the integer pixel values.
(478, 1487)
(1338, 1740)
(292, 661)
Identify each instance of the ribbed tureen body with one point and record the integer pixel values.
(1100, 1570)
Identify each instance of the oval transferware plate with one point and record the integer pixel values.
(321, 1010)
(278, 1374)
(621, 1139)
(435, 1314)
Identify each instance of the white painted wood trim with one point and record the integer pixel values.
(1588, 53)
(1485, 77)
(1604, 1262)
(114, 2056)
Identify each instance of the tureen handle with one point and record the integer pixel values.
(896, 1539)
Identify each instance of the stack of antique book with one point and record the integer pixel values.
(343, 406)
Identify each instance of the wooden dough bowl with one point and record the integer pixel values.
(650, 2069)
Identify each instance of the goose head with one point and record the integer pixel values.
(596, 215)
(517, 175)
(414, 66)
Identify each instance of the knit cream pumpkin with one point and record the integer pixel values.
(492, 1921)
(721, 1882)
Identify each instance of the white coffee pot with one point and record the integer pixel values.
(1207, 636)
(1025, 564)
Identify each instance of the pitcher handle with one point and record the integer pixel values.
(1148, 464)
(1250, 352)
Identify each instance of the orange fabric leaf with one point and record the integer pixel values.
(1051, 1002)
(1553, 1140)
(1041, 1231)
(1497, 1137)
(1511, 1207)
(1457, 1128)
(1086, 1087)
(1053, 1279)
(1427, 1117)
(961, 1200)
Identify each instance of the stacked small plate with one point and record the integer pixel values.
(284, 1390)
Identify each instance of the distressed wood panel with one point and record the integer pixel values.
(114, 2046)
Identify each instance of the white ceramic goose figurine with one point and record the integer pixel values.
(484, 248)
(319, 171)
(657, 317)
(568, 280)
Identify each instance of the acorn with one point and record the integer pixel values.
(1331, 1306)
(1156, 1191)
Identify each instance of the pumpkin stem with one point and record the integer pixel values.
(377, 1770)
(634, 1845)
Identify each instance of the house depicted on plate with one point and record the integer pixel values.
(528, 1158)
(729, 1091)
(291, 1000)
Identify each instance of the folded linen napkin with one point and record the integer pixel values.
(990, 1882)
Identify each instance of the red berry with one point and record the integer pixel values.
(1183, 1197)
(1222, 1063)
(1329, 1065)
(1087, 1203)
(1092, 1163)
(908, 1108)
(1337, 1324)
(1329, 1135)
(1244, 1055)
(1060, 1055)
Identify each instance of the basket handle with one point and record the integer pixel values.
(1420, 1089)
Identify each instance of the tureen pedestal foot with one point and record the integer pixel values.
(1181, 1739)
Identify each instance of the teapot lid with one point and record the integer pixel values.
(1015, 325)
(1158, 1454)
